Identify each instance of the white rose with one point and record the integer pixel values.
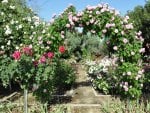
(5, 1)
(2, 13)
(8, 43)
(12, 22)
(116, 31)
(17, 47)
(2, 47)
(12, 7)
(20, 26)
(129, 73)
(8, 31)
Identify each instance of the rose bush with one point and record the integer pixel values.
(28, 50)
(101, 74)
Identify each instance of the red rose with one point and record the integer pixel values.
(43, 59)
(27, 50)
(50, 55)
(61, 49)
(35, 63)
(16, 55)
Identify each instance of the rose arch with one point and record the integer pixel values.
(121, 38)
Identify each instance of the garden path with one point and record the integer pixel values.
(84, 98)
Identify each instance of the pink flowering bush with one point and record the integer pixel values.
(130, 80)
(44, 76)
(30, 49)
(21, 68)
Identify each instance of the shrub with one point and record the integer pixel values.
(44, 82)
(83, 46)
(94, 45)
(65, 75)
(52, 78)
(131, 81)
(17, 25)
(19, 71)
(141, 17)
(102, 76)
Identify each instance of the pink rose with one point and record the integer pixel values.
(139, 33)
(125, 88)
(62, 36)
(16, 55)
(75, 18)
(129, 26)
(142, 50)
(125, 40)
(93, 31)
(61, 49)
(43, 59)
(62, 32)
(107, 25)
(27, 50)
(92, 21)
(97, 12)
(122, 32)
(50, 55)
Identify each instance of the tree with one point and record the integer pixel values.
(141, 17)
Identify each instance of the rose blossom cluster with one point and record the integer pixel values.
(109, 25)
(29, 51)
(139, 36)
(125, 86)
(100, 8)
(140, 74)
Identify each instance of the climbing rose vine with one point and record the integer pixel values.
(120, 37)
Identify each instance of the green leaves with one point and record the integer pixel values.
(141, 17)
(102, 85)
(50, 78)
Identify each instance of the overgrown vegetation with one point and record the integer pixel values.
(141, 17)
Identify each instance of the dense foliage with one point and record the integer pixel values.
(141, 17)
(85, 46)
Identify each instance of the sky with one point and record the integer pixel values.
(46, 8)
